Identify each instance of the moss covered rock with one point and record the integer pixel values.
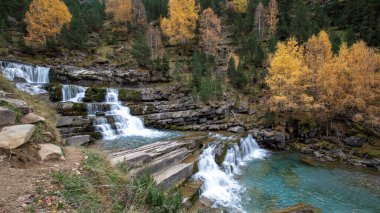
(95, 94)
(72, 109)
(130, 95)
(55, 92)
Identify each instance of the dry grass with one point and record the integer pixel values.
(41, 107)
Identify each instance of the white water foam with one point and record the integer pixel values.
(34, 76)
(73, 93)
(219, 184)
(127, 124)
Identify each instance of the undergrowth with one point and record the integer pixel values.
(103, 188)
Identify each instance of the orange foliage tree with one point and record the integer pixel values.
(45, 19)
(121, 10)
(310, 78)
(182, 21)
(210, 29)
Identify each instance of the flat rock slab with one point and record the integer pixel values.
(162, 162)
(14, 136)
(17, 104)
(173, 175)
(7, 116)
(70, 121)
(78, 140)
(32, 118)
(146, 153)
(50, 151)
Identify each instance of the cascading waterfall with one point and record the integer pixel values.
(126, 124)
(101, 125)
(73, 93)
(34, 76)
(219, 184)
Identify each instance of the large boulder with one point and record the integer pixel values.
(32, 118)
(7, 116)
(78, 140)
(20, 105)
(14, 136)
(355, 141)
(50, 151)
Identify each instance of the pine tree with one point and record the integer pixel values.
(141, 51)
(156, 9)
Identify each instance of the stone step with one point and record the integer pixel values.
(173, 175)
(160, 163)
(190, 191)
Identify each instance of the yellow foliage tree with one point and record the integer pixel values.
(318, 51)
(272, 19)
(182, 20)
(285, 77)
(121, 10)
(241, 5)
(45, 19)
(210, 29)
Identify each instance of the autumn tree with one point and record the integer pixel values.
(272, 19)
(45, 19)
(260, 22)
(181, 24)
(121, 10)
(210, 29)
(285, 77)
(318, 51)
(350, 84)
(240, 5)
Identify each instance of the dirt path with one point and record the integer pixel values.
(18, 184)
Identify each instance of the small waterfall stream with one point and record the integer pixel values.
(125, 124)
(34, 77)
(73, 93)
(219, 184)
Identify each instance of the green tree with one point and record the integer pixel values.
(141, 51)
(156, 9)
(302, 25)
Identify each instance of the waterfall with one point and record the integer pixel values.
(34, 76)
(101, 125)
(73, 93)
(219, 184)
(126, 124)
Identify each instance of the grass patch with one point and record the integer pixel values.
(103, 188)
(41, 107)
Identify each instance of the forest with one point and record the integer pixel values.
(312, 55)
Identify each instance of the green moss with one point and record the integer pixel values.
(326, 145)
(298, 146)
(55, 92)
(95, 94)
(129, 95)
(78, 109)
